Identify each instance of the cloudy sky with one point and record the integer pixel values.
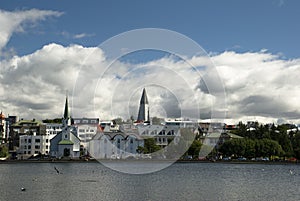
(246, 67)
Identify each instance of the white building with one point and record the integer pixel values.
(53, 129)
(164, 134)
(115, 145)
(86, 130)
(33, 145)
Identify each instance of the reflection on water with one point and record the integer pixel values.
(181, 181)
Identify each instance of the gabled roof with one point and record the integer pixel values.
(66, 142)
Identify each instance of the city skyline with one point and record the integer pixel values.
(45, 46)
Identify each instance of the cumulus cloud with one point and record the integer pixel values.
(258, 85)
(15, 21)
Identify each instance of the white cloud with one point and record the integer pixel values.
(258, 85)
(82, 35)
(15, 21)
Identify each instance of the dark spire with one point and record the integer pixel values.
(66, 113)
(143, 114)
(144, 99)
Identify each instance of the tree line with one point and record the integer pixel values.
(264, 141)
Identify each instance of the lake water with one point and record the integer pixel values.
(180, 181)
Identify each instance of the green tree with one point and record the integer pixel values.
(149, 146)
(194, 149)
(3, 151)
(296, 145)
(250, 148)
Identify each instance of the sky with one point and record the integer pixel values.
(247, 69)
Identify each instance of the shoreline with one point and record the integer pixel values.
(149, 161)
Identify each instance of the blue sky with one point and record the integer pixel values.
(216, 25)
(253, 45)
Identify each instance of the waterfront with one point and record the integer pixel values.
(181, 181)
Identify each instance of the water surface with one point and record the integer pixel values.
(181, 181)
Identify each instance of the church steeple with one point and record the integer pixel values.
(66, 118)
(143, 115)
(66, 113)
(144, 99)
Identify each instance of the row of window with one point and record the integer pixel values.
(36, 152)
(86, 130)
(85, 121)
(54, 127)
(36, 140)
(86, 135)
(52, 132)
(163, 132)
(36, 147)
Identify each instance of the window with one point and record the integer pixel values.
(118, 141)
(25, 147)
(91, 130)
(36, 152)
(29, 152)
(47, 146)
(131, 140)
(24, 152)
(47, 140)
(25, 140)
(29, 140)
(81, 130)
(29, 146)
(66, 136)
(37, 140)
(93, 121)
(37, 146)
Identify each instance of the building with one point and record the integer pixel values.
(115, 145)
(143, 115)
(52, 129)
(86, 130)
(161, 133)
(9, 121)
(210, 126)
(3, 136)
(66, 144)
(216, 139)
(24, 128)
(31, 145)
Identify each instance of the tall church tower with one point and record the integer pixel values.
(143, 115)
(66, 119)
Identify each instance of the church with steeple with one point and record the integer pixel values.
(65, 144)
(143, 115)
